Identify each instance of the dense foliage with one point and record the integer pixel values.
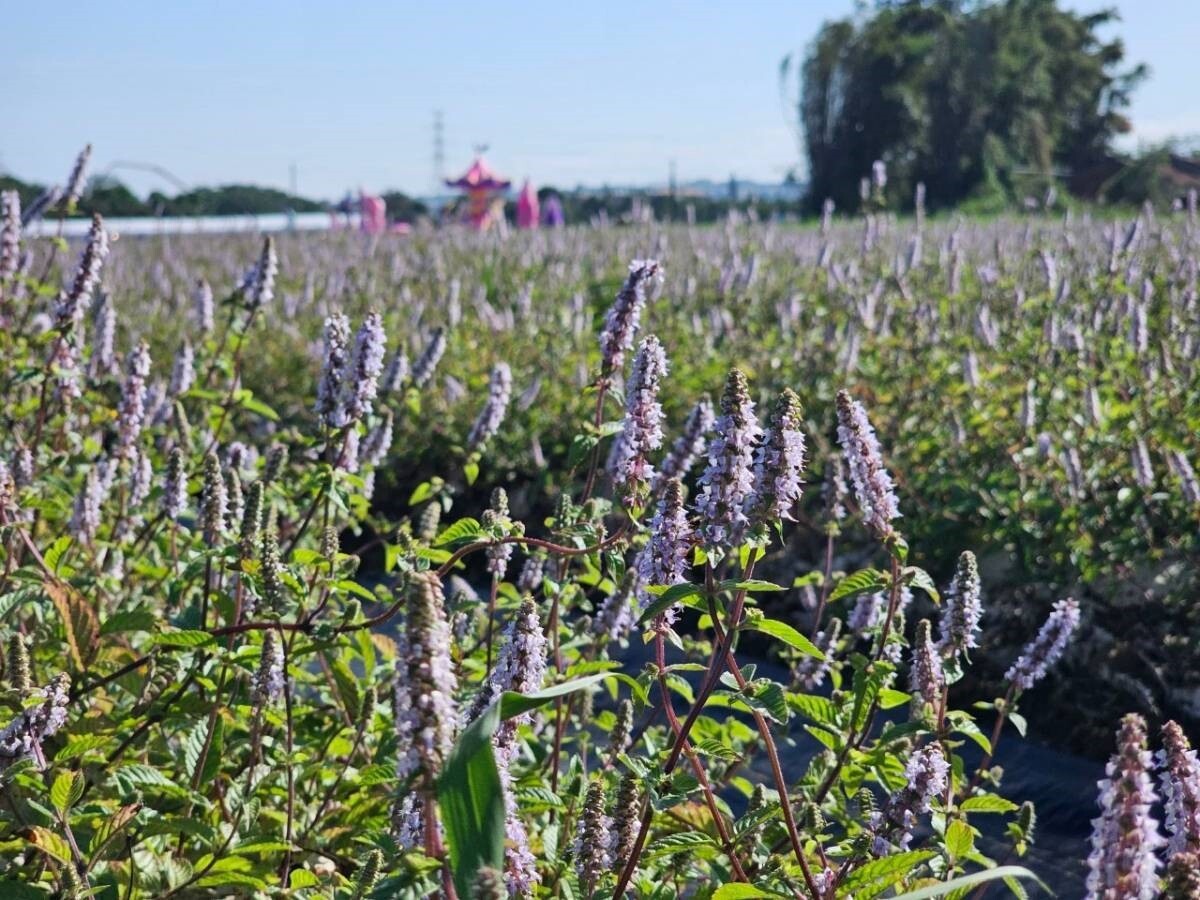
(241, 660)
(972, 98)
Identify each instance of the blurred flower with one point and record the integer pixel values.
(624, 316)
(872, 483)
(1045, 649)
(492, 415)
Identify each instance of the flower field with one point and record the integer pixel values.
(438, 566)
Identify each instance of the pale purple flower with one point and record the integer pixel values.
(729, 477)
(664, 561)
(360, 382)
(258, 286)
(85, 517)
(867, 613)
(810, 672)
(926, 680)
(183, 373)
(426, 683)
(925, 776)
(427, 362)
(71, 303)
(1181, 791)
(520, 667)
(10, 234)
(616, 616)
(1125, 835)
(498, 555)
(872, 483)
(174, 496)
(378, 442)
(1182, 467)
(202, 306)
(22, 737)
(396, 374)
(131, 412)
(624, 316)
(959, 625)
(75, 181)
(690, 444)
(778, 464)
(492, 415)
(267, 684)
(1143, 470)
(47, 199)
(641, 432)
(333, 366)
(104, 326)
(1046, 648)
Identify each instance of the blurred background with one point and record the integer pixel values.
(223, 108)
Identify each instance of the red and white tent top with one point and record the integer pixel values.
(479, 178)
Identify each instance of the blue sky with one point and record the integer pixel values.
(564, 93)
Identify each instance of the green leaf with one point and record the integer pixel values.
(110, 828)
(919, 578)
(739, 891)
(454, 534)
(865, 581)
(67, 788)
(784, 632)
(513, 704)
(966, 881)
(960, 839)
(471, 802)
(1019, 722)
(182, 638)
(754, 585)
(667, 599)
(421, 493)
(130, 620)
(875, 877)
(988, 803)
(49, 843)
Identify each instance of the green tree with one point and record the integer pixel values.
(970, 98)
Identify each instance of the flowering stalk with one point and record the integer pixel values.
(729, 478)
(492, 415)
(690, 444)
(1125, 835)
(624, 316)
(959, 624)
(664, 561)
(641, 433)
(864, 458)
(778, 465)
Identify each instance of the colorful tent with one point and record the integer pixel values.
(483, 189)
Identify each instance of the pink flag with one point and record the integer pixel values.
(527, 207)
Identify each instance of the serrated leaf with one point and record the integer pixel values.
(668, 598)
(782, 631)
(873, 878)
(740, 891)
(49, 843)
(988, 803)
(80, 625)
(960, 839)
(66, 789)
(110, 828)
(965, 881)
(864, 581)
(182, 638)
(463, 528)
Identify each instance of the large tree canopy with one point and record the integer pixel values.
(970, 98)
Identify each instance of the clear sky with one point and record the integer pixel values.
(565, 93)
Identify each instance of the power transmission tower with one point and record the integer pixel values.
(439, 151)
